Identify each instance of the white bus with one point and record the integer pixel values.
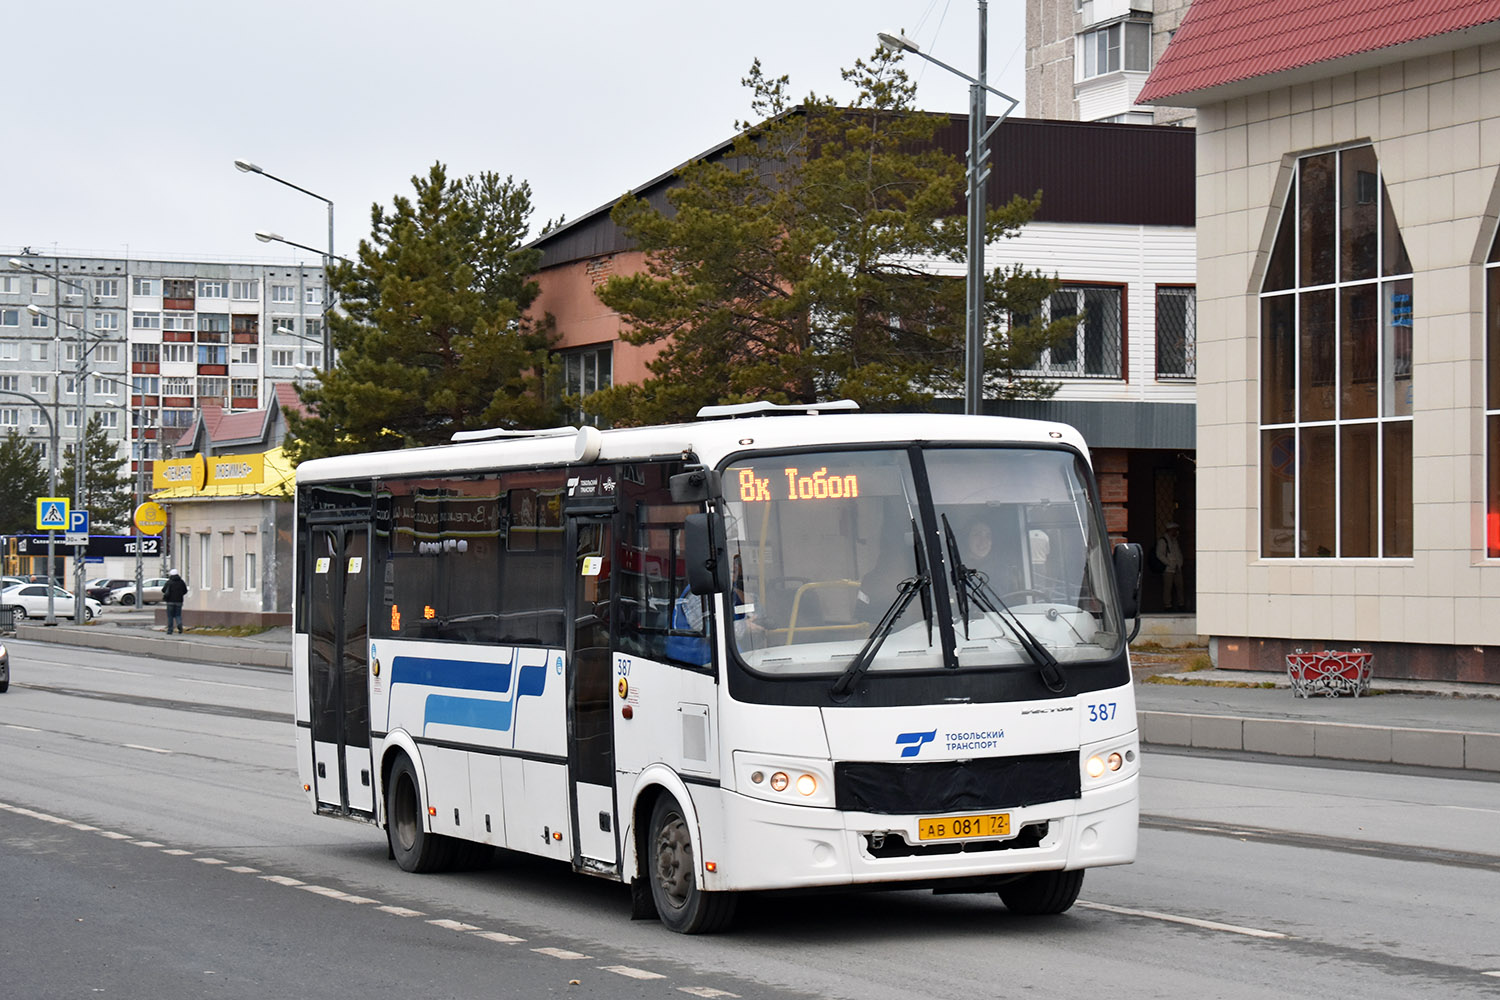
(775, 648)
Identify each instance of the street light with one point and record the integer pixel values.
(245, 166)
(978, 173)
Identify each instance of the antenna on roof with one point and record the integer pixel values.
(776, 409)
(496, 433)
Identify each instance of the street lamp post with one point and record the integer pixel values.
(245, 166)
(978, 174)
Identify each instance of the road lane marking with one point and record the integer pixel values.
(243, 869)
(24, 729)
(400, 911)
(631, 973)
(145, 843)
(453, 925)
(108, 670)
(282, 880)
(1172, 918)
(1496, 974)
(112, 835)
(138, 746)
(210, 861)
(499, 937)
(84, 827)
(562, 953)
(177, 852)
(222, 684)
(705, 991)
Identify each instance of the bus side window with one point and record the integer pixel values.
(659, 618)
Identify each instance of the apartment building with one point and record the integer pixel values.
(1087, 60)
(142, 344)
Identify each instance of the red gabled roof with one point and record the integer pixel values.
(1223, 42)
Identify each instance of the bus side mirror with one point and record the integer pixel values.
(694, 486)
(1128, 578)
(707, 554)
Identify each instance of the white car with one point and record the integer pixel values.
(29, 600)
(150, 592)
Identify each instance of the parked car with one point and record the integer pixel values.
(150, 591)
(4, 669)
(29, 600)
(102, 589)
(9, 581)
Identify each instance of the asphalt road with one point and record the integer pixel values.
(154, 843)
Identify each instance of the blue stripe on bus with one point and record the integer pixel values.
(466, 675)
(472, 713)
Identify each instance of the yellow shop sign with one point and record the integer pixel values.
(199, 471)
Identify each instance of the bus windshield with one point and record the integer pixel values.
(828, 545)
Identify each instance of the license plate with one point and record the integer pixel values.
(964, 827)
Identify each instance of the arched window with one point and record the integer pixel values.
(1336, 368)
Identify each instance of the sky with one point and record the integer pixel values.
(123, 120)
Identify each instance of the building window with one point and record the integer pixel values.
(213, 323)
(145, 286)
(228, 582)
(242, 355)
(284, 324)
(212, 289)
(250, 582)
(10, 317)
(176, 387)
(106, 321)
(177, 321)
(145, 385)
(145, 354)
(171, 353)
(312, 359)
(213, 354)
(106, 288)
(1123, 45)
(10, 351)
(204, 542)
(184, 557)
(177, 288)
(1176, 332)
(1336, 326)
(145, 321)
(41, 286)
(313, 295)
(40, 320)
(12, 383)
(313, 328)
(283, 357)
(1492, 399)
(10, 416)
(587, 371)
(245, 291)
(107, 354)
(9, 284)
(109, 419)
(175, 419)
(213, 387)
(41, 352)
(283, 293)
(1096, 347)
(103, 386)
(41, 384)
(243, 387)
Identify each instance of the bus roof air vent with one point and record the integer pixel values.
(501, 433)
(776, 409)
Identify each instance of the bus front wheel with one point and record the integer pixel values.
(1042, 893)
(414, 848)
(672, 869)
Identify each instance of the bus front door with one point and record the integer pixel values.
(591, 755)
(338, 667)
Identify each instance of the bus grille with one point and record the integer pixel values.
(955, 786)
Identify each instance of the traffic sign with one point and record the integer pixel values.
(78, 522)
(52, 513)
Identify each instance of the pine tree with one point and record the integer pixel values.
(23, 478)
(108, 492)
(431, 333)
(797, 267)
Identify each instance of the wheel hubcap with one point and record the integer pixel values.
(674, 860)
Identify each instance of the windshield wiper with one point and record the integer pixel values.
(909, 588)
(969, 581)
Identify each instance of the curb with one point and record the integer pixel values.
(204, 651)
(1445, 748)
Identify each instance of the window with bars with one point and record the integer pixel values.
(1176, 332)
(587, 371)
(1336, 332)
(1096, 347)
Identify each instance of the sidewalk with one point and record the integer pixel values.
(1429, 724)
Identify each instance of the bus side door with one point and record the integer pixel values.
(337, 569)
(591, 757)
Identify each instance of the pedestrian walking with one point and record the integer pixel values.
(1169, 554)
(172, 594)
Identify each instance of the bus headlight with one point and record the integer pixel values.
(785, 779)
(1110, 761)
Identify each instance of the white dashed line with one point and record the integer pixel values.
(1172, 918)
(210, 861)
(498, 937)
(705, 991)
(282, 880)
(112, 835)
(145, 843)
(562, 953)
(176, 852)
(400, 911)
(630, 973)
(138, 746)
(243, 870)
(453, 925)
(323, 890)
(24, 729)
(1496, 974)
(84, 827)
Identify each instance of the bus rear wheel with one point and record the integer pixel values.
(414, 849)
(1042, 893)
(672, 871)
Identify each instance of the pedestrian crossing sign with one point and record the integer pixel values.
(52, 513)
